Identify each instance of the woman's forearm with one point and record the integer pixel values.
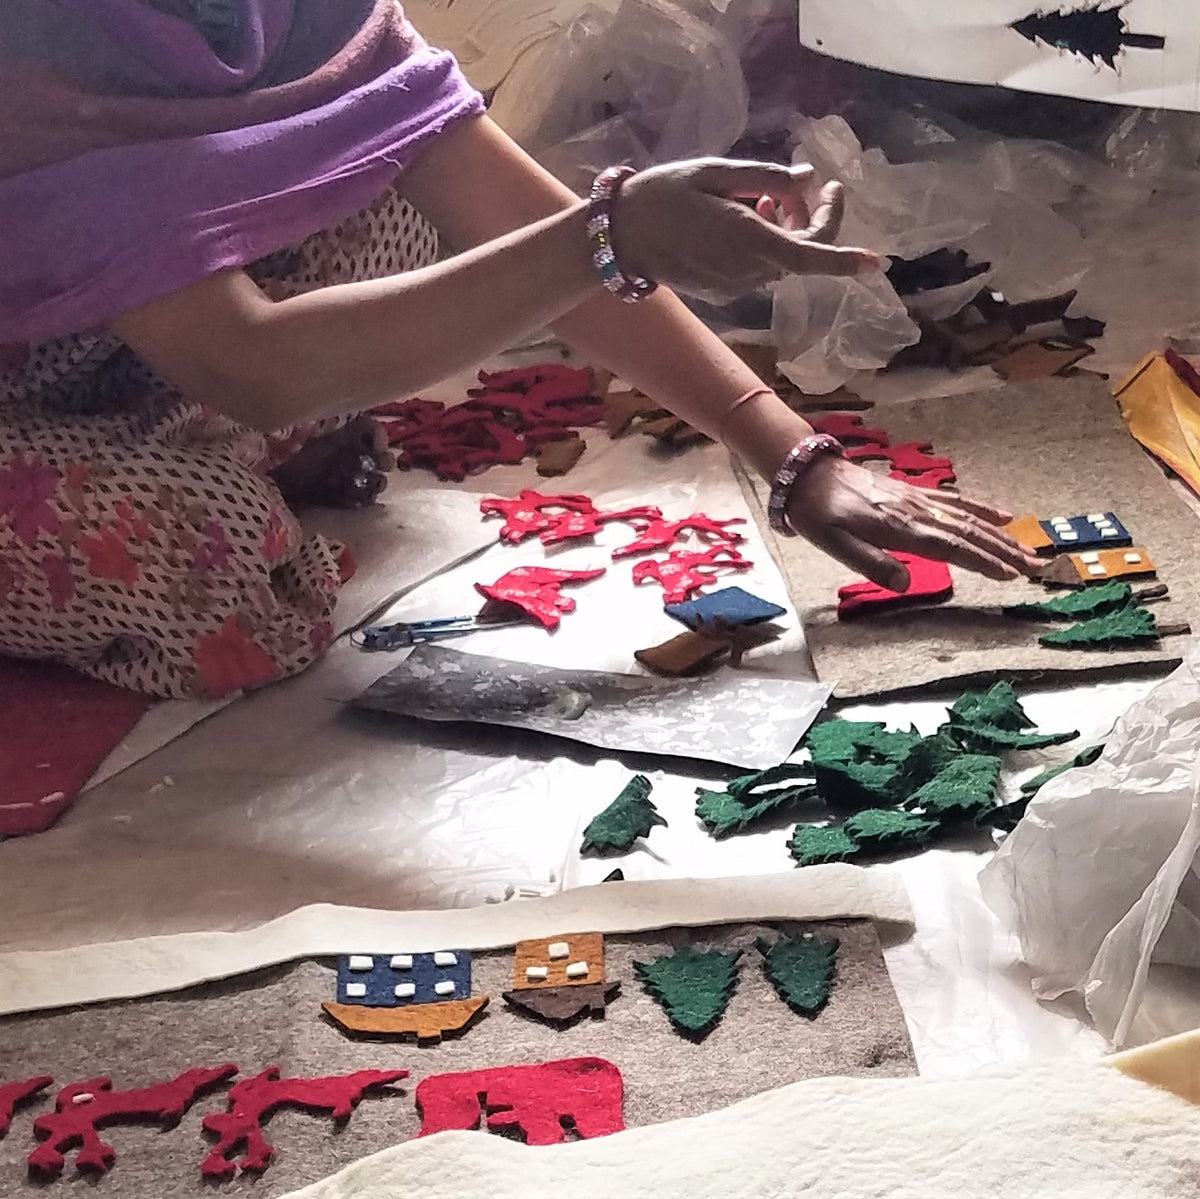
(353, 346)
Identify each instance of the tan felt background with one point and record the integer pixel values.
(274, 1018)
(1043, 448)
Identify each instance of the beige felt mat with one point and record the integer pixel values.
(274, 1017)
(1046, 448)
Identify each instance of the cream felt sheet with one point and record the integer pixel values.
(1064, 1130)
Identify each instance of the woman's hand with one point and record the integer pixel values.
(855, 514)
(683, 224)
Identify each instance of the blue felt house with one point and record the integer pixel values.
(403, 979)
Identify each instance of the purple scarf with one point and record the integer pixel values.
(136, 159)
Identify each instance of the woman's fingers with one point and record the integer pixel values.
(826, 221)
(866, 559)
(749, 180)
(977, 508)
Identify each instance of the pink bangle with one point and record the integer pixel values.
(603, 198)
(799, 458)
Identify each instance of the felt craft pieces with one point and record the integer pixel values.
(623, 408)
(930, 583)
(658, 534)
(1029, 532)
(815, 844)
(801, 969)
(83, 1108)
(683, 573)
(1130, 626)
(41, 777)
(860, 763)
(673, 432)
(1101, 600)
(531, 512)
(1097, 566)
(1039, 360)
(573, 525)
(422, 1021)
(724, 814)
(885, 829)
(985, 722)
(730, 605)
(693, 986)
(558, 457)
(1085, 757)
(533, 1101)
(630, 816)
(239, 1132)
(1007, 816)
(569, 960)
(684, 654)
(848, 428)
(564, 1005)
(535, 590)
(1096, 531)
(403, 979)
(14, 1094)
(911, 457)
(963, 789)
(931, 480)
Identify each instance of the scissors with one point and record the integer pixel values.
(404, 634)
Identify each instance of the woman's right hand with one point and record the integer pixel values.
(683, 224)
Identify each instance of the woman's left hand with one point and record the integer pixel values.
(855, 515)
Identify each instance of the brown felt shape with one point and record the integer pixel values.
(1054, 445)
(681, 655)
(557, 457)
(1037, 361)
(581, 947)
(672, 431)
(622, 408)
(561, 1004)
(1070, 570)
(1029, 532)
(425, 1021)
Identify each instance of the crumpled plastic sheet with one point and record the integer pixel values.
(1101, 881)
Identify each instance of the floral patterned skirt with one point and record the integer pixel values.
(143, 541)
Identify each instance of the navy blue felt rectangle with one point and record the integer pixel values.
(1083, 533)
(382, 979)
(731, 605)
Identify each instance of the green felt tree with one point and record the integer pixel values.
(694, 987)
(964, 789)
(887, 829)
(724, 813)
(812, 844)
(785, 773)
(1085, 757)
(859, 763)
(630, 816)
(801, 970)
(927, 759)
(1099, 600)
(1129, 626)
(1007, 816)
(987, 721)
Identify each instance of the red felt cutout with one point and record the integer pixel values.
(659, 534)
(58, 727)
(536, 1100)
(846, 427)
(931, 479)
(240, 1130)
(930, 581)
(587, 524)
(13, 1094)
(911, 457)
(502, 422)
(683, 573)
(536, 591)
(525, 515)
(82, 1108)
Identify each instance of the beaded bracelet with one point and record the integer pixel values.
(603, 198)
(799, 458)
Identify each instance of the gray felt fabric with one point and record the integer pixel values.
(1047, 448)
(274, 1018)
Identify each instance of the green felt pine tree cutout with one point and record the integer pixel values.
(859, 763)
(1078, 605)
(724, 813)
(1085, 757)
(801, 970)
(1007, 816)
(927, 759)
(630, 816)
(987, 721)
(694, 987)
(888, 829)
(785, 773)
(963, 790)
(1129, 626)
(813, 844)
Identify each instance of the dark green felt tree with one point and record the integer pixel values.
(1129, 626)
(801, 970)
(1007, 816)
(694, 986)
(1085, 757)
(813, 844)
(888, 829)
(993, 720)
(724, 813)
(787, 772)
(858, 763)
(963, 790)
(630, 816)
(1083, 604)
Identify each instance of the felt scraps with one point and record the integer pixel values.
(801, 969)
(910, 457)
(239, 1132)
(630, 816)
(14, 1094)
(536, 591)
(752, 798)
(83, 1108)
(558, 457)
(510, 416)
(693, 986)
(559, 979)
(659, 534)
(535, 1101)
(930, 583)
(531, 513)
(848, 428)
(1007, 816)
(994, 720)
(683, 573)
